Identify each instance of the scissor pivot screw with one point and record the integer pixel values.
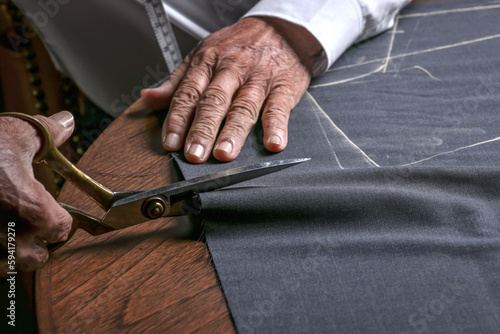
(153, 207)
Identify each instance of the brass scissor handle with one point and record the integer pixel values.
(50, 155)
(82, 220)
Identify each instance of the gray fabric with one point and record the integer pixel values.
(393, 226)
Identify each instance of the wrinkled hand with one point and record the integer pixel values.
(256, 64)
(37, 217)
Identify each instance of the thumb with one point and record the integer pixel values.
(159, 98)
(60, 125)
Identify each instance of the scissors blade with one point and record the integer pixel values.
(130, 210)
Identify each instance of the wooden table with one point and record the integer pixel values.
(150, 278)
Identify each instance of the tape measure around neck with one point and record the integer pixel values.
(164, 33)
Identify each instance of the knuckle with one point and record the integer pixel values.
(202, 135)
(244, 112)
(205, 129)
(250, 99)
(203, 55)
(236, 67)
(197, 58)
(237, 127)
(248, 106)
(283, 89)
(214, 97)
(32, 256)
(62, 226)
(34, 205)
(178, 119)
(259, 85)
(275, 117)
(188, 94)
(275, 110)
(45, 218)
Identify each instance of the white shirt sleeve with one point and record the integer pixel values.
(336, 24)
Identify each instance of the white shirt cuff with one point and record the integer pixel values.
(336, 24)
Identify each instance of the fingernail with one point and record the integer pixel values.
(64, 117)
(225, 146)
(275, 140)
(197, 150)
(172, 140)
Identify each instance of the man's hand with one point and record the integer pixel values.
(23, 200)
(256, 64)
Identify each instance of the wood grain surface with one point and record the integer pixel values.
(151, 278)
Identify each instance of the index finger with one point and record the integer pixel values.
(183, 105)
(210, 112)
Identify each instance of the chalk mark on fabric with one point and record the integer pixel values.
(323, 129)
(408, 43)
(354, 148)
(452, 151)
(438, 48)
(391, 44)
(423, 70)
(385, 61)
(417, 67)
(381, 68)
(448, 11)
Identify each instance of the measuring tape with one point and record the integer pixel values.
(164, 33)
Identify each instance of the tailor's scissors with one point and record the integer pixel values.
(128, 208)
